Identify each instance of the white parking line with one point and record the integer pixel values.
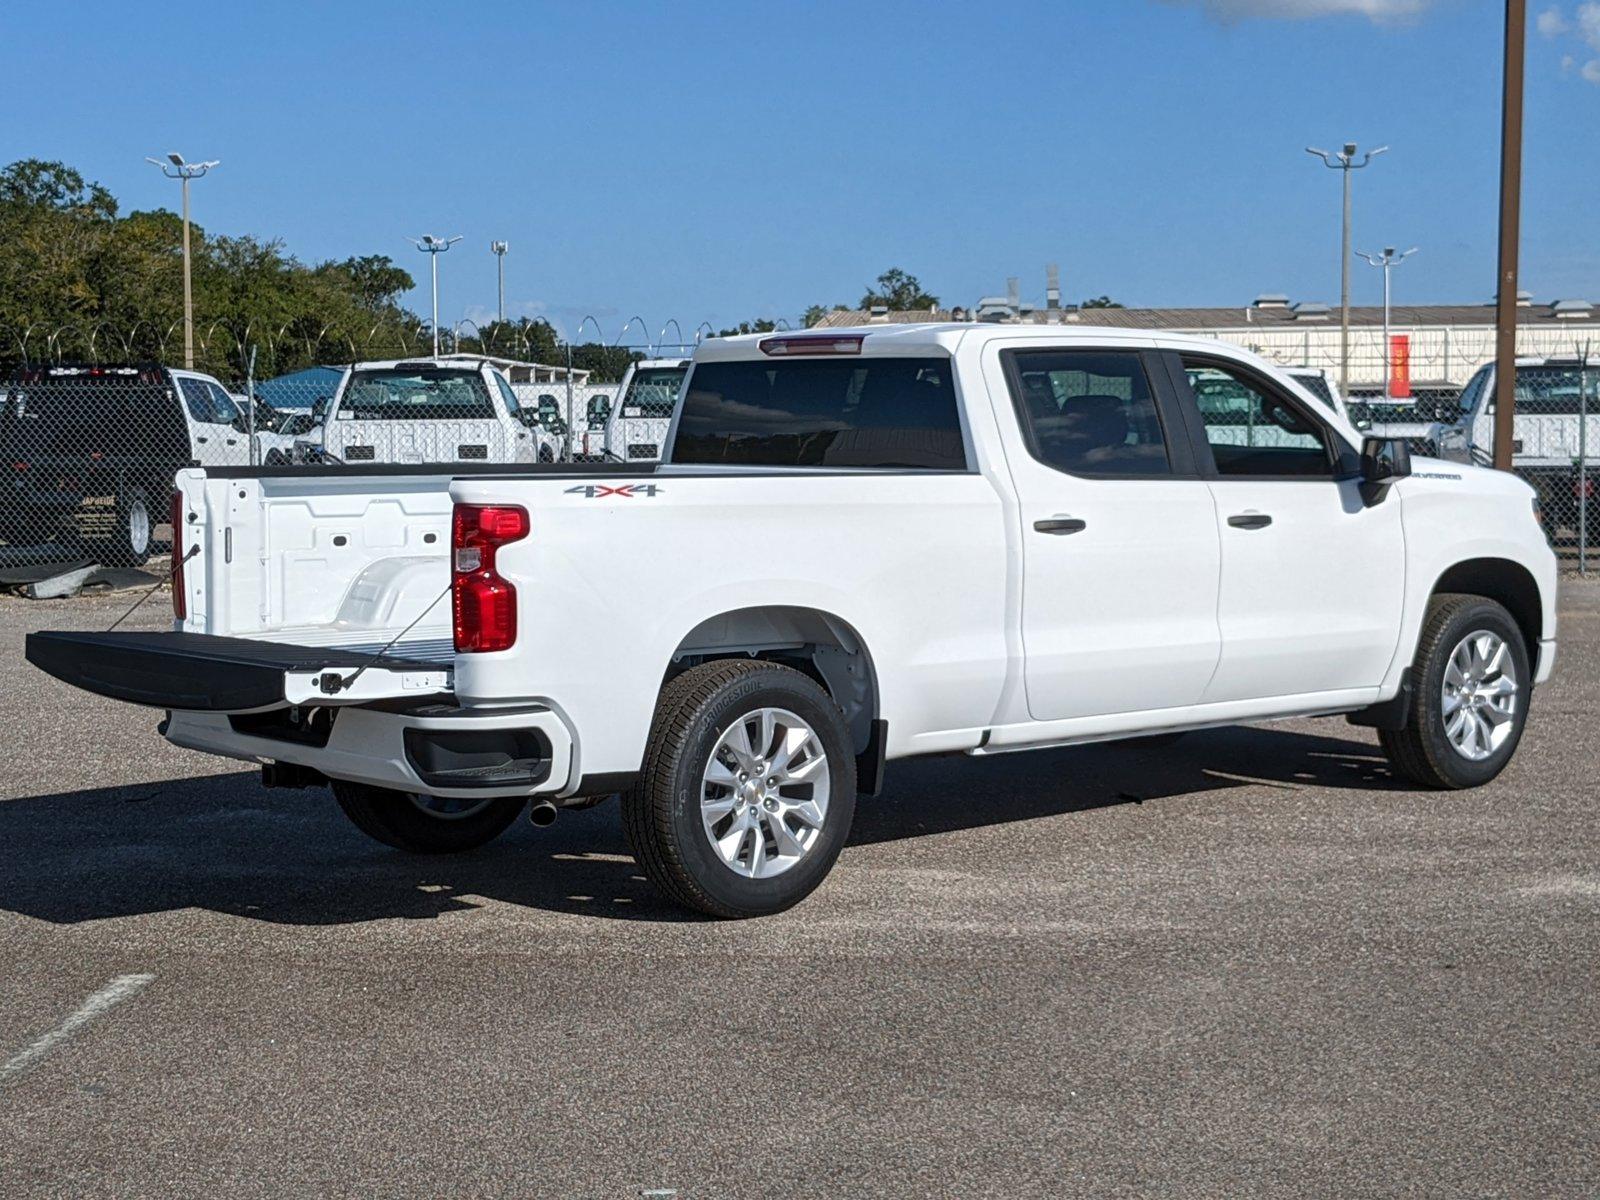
(114, 993)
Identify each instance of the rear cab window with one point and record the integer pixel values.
(857, 413)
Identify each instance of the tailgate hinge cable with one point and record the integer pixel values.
(333, 683)
(171, 571)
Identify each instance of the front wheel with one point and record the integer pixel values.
(747, 792)
(1471, 687)
(425, 824)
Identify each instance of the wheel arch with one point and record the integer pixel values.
(1506, 582)
(818, 643)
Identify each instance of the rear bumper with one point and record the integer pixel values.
(430, 751)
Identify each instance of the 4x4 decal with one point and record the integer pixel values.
(626, 490)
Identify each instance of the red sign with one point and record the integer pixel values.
(1400, 366)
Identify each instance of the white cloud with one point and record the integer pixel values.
(1551, 23)
(1589, 23)
(1584, 27)
(1228, 11)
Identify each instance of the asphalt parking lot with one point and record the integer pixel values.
(1248, 964)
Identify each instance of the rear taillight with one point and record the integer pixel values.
(485, 605)
(180, 599)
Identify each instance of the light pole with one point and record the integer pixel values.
(176, 168)
(433, 247)
(500, 249)
(1345, 161)
(1388, 260)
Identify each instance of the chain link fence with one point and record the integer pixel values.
(88, 449)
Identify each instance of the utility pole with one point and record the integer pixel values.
(1388, 260)
(1505, 321)
(176, 168)
(433, 247)
(500, 249)
(1345, 161)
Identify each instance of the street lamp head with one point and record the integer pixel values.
(1388, 251)
(1318, 153)
(1350, 149)
(175, 158)
(499, 247)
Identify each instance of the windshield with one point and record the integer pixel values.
(507, 393)
(653, 391)
(416, 394)
(1556, 391)
(1317, 386)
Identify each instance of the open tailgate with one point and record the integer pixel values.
(200, 672)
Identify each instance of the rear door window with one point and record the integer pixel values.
(885, 413)
(1089, 412)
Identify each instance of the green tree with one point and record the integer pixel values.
(1100, 302)
(759, 326)
(900, 291)
(813, 315)
(80, 281)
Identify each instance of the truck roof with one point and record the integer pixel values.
(419, 360)
(945, 336)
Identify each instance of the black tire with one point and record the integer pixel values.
(662, 817)
(1422, 752)
(395, 819)
(546, 455)
(134, 532)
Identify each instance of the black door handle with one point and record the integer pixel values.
(1250, 521)
(1061, 525)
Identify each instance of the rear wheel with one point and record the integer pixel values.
(1471, 685)
(425, 824)
(747, 792)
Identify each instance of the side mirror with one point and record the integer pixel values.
(1383, 460)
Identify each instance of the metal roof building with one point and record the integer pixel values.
(1448, 341)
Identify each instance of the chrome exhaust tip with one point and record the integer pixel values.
(542, 813)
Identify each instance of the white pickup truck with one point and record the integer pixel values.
(1554, 426)
(429, 411)
(637, 424)
(862, 546)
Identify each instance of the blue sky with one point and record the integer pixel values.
(726, 161)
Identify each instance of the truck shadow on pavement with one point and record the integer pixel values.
(225, 844)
